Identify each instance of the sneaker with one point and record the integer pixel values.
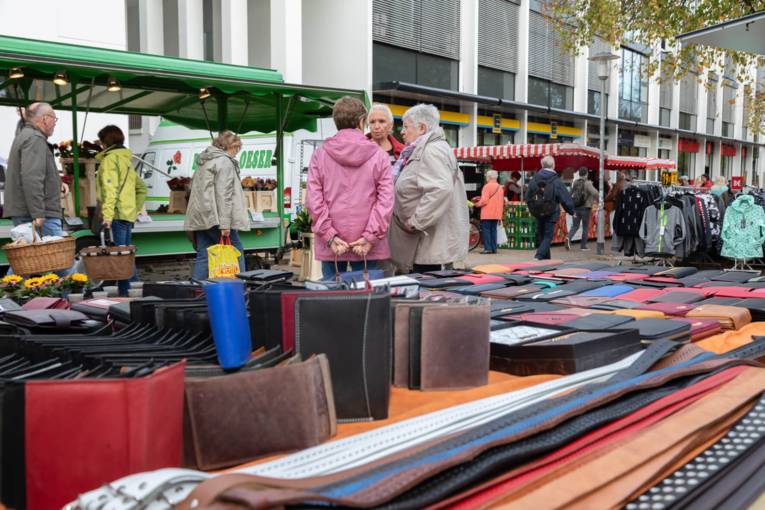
(568, 243)
(584, 249)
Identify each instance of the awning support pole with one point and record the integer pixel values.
(75, 150)
(280, 165)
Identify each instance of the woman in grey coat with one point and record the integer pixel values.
(217, 208)
(430, 222)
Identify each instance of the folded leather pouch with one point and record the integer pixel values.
(678, 272)
(512, 292)
(616, 304)
(674, 309)
(702, 328)
(46, 303)
(677, 297)
(735, 276)
(730, 317)
(652, 330)
(567, 354)
(237, 418)
(598, 322)
(477, 290)
(610, 291)
(443, 283)
(354, 331)
(48, 319)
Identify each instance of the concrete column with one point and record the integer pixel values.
(718, 113)
(736, 166)
(234, 45)
(151, 27)
(468, 74)
(612, 135)
(287, 39)
(654, 90)
(580, 81)
(190, 29)
(522, 136)
(738, 114)
(522, 78)
(653, 147)
(674, 116)
(468, 135)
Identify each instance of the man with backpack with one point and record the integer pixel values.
(545, 194)
(583, 194)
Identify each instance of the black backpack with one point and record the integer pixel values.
(542, 202)
(577, 193)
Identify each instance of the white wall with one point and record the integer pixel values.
(75, 22)
(337, 44)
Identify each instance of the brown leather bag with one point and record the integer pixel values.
(730, 317)
(236, 418)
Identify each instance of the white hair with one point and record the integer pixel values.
(381, 108)
(36, 110)
(423, 114)
(492, 174)
(548, 162)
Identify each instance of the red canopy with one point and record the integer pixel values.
(528, 156)
(636, 163)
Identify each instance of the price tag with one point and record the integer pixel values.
(257, 216)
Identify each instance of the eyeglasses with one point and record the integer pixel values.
(50, 115)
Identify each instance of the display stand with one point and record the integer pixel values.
(742, 265)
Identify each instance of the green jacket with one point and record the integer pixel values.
(116, 173)
(743, 229)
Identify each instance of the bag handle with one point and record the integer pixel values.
(338, 279)
(225, 240)
(35, 237)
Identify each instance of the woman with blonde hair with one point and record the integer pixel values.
(217, 208)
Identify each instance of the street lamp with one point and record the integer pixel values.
(603, 61)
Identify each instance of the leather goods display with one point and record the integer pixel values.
(678, 272)
(173, 289)
(46, 303)
(477, 290)
(440, 346)
(756, 306)
(699, 277)
(677, 297)
(52, 320)
(480, 279)
(662, 282)
(609, 291)
(546, 295)
(545, 317)
(644, 269)
(735, 292)
(598, 322)
(672, 309)
(570, 271)
(730, 317)
(522, 333)
(719, 301)
(702, 328)
(639, 314)
(239, 417)
(514, 279)
(264, 305)
(398, 286)
(583, 285)
(447, 273)
(490, 268)
(354, 331)
(616, 304)
(653, 330)
(590, 266)
(443, 283)
(567, 354)
(641, 295)
(265, 275)
(512, 292)
(735, 276)
(98, 308)
(113, 427)
(7, 305)
(627, 277)
(597, 275)
(580, 300)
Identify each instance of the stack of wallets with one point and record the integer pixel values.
(441, 345)
(566, 353)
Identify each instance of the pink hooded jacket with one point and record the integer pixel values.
(350, 194)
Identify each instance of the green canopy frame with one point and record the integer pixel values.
(239, 98)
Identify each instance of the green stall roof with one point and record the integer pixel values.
(243, 98)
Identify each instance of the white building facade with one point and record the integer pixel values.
(473, 59)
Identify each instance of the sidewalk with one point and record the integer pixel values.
(557, 252)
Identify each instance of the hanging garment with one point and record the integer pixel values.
(633, 201)
(663, 229)
(744, 229)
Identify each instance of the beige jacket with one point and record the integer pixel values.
(216, 199)
(430, 195)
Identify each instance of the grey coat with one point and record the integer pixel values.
(430, 195)
(216, 199)
(663, 233)
(32, 181)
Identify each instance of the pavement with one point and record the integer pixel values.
(475, 257)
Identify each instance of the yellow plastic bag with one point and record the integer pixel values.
(222, 260)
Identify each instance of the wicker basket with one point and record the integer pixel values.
(109, 262)
(36, 258)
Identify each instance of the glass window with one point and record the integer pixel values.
(452, 135)
(664, 153)
(554, 95)
(539, 91)
(686, 161)
(665, 117)
(391, 63)
(496, 83)
(687, 121)
(486, 137)
(726, 166)
(727, 129)
(170, 29)
(438, 72)
(710, 126)
(593, 102)
(633, 89)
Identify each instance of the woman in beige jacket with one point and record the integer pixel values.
(430, 222)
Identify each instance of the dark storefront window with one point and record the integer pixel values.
(495, 83)
(554, 95)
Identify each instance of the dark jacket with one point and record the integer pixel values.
(33, 184)
(561, 194)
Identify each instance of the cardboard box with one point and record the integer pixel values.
(178, 202)
(249, 199)
(85, 197)
(67, 204)
(265, 201)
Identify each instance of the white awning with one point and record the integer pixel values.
(741, 34)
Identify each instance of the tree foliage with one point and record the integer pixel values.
(655, 24)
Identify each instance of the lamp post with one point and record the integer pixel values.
(603, 61)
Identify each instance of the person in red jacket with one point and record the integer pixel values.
(380, 120)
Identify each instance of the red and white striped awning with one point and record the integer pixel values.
(637, 163)
(530, 150)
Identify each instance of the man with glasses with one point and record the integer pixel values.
(33, 184)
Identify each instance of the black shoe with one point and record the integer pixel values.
(484, 252)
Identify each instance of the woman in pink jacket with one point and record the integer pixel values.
(350, 194)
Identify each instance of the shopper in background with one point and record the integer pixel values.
(545, 195)
(684, 180)
(430, 218)
(583, 195)
(217, 208)
(611, 200)
(721, 189)
(492, 204)
(704, 182)
(120, 191)
(380, 121)
(350, 194)
(512, 188)
(33, 184)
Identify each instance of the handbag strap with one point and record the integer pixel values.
(338, 279)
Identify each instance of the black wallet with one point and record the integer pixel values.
(598, 322)
(265, 275)
(651, 330)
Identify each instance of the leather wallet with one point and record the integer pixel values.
(441, 346)
(652, 330)
(627, 277)
(734, 276)
(545, 317)
(7, 305)
(49, 319)
(702, 328)
(616, 304)
(443, 283)
(727, 301)
(581, 300)
(589, 266)
(756, 306)
(609, 291)
(598, 322)
(354, 331)
(477, 290)
(447, 273)
(547, 295)
(522, 333)
(730, 317)
(236, 418)
(583, 285)
(480, 279)
(570, 271)
(512, 292)
(639, 314)
(568, 354)
(99, 308)
(46, 303)
(173, 289)
(265, 308)
(643, 269)
(673, 309)
(734, 292)
(265, 275)
(641, 295)
(677, 272)
(677, 297)
(490, 268)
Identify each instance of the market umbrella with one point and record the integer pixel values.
(523, 157)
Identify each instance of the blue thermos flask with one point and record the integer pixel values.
(228, 321)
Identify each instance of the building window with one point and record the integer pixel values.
(633, 89)
(391, 63)
(553, 95)
(593, 103)
(486, 137)
(417, 25)
(664, 154)
(133, 25)
(593, 136)
(727, 129)
(170, 27)
(686, 162)
(687, 121)
(665, 117)
(495, 83)
(726, 166)
(498, 36)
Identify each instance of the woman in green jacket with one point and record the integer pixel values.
(119, 190)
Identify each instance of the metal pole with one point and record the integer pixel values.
(601, 245)
(75, 151)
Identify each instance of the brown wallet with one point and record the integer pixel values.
(237, 418)
(438, 347)
(730, 317)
